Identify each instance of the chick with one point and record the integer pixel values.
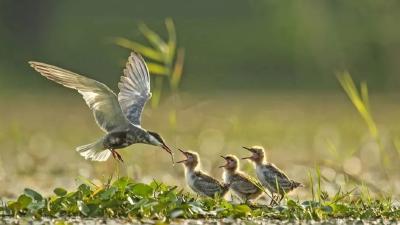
(270, 176)
(242, 185)
(200, 182)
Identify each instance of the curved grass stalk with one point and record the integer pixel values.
(166, 60)
(360, 100)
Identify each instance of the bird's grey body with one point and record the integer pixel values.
(204, 184)
(270, 176)
(118, 116)
(242, 185)
(275, 180)
(199, 181)
(123, 138)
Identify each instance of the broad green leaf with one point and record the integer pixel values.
(34, 207)
(84, 189)
(14, 206)
(24, 201)
(122, 182)
(108, 194)
(243, 209)
(142, 190)
(83, 208)
(33, 194)
(60, 192)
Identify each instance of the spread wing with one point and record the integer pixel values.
(134, 88)
(100, 99)
(208, 185)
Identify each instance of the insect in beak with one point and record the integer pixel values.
(167, 149)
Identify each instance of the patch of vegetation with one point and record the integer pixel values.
(125, 198)
(164, 58)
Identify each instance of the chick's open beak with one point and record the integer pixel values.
(223, 166)
(184, 153)
(248, 149)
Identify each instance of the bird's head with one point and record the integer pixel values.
(232, 163)
(156, 139)
(192, 159)
(258, 154)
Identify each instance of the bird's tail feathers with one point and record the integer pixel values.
(94, 151)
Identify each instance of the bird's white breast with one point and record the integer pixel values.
(226, 176)
(260, 172)
(190, 178)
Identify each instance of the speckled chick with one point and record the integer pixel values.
(241, 184)
(270, 176)
(199, 181)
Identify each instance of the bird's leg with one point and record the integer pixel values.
(113, 153)
(119, 157)
(116, 155)
(271, 203)
(280, 198)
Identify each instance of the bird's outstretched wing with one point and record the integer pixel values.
(134, 88)
(100, 99)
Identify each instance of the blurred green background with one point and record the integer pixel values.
(251, 44)
(256, 72)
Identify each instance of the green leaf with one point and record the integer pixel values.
(142, 190)
(84, 189)
(34, 207)
(178, 69)
(243, 209)
(137, 47)
(177, 213)
(14, 206)
(327, 209)
(109, 193)
(83, 208)
(60, 192)
(153, 38)
(158, 69)
(33, 194)
(169, 23)
(122, 183)
(24, 201)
